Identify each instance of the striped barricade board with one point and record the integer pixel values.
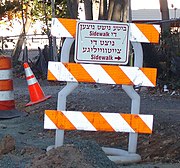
(146, 33)
(106, 74)
(98, 121)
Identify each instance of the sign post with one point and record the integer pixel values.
(102, 42)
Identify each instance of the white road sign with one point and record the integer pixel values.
(102, 42)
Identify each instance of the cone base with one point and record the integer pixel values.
(38, 101)
(8, 114)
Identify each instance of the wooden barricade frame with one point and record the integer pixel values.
(116, 155)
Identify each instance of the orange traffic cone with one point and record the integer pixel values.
(35, 91)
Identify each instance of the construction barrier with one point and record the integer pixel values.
(84, 70)
(7, 102)
(106, 74)
(36, 93)
(6, 84)
(98, 121)
(145, 33)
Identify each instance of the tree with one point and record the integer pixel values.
(9, 9)
(165, 38)
(29, 11)
(26, 25)
(114, 10)
(72, 6)
(118, 10)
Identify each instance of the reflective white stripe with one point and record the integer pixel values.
(60, 72)
(136, 35)
(5, 74)
(136, 76)
(117, 122)
(32, 81)
(98, 74)
(79, 120)
(6, 95)
(58, 30)
(28, 72)
(148, 119)
(48, 124)
(158, 28)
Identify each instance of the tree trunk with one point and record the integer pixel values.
(124, 11)
(73, 8)
(120, 11)
(165, 14)
(117, 10)
(88, 9)
(110, 9)
(17, 51)
(103, 10)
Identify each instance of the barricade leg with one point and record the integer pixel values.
(61, 105)
(119, 155)
(135, 108)
(130, 156)
(62, 95)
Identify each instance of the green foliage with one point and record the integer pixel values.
(170, 57)
(40, 7)
(8, 6)
(61, 9)
(38, 11)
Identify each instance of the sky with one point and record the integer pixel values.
(152, 4)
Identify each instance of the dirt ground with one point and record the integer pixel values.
(27, 140)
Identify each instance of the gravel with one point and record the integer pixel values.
(32, 140)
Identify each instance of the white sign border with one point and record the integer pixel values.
(101, 61)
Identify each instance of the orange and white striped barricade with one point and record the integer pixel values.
(138, 33)
(101, 121)
(107, 74)
(7, 102)
(98, 121)
(144, 33)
